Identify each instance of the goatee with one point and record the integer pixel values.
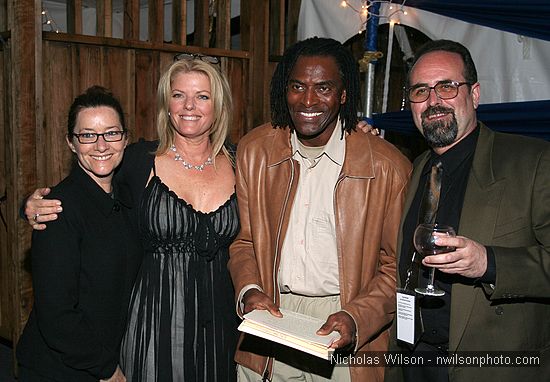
(439, 133)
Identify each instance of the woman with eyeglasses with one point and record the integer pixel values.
(182, 323)
(85, 263)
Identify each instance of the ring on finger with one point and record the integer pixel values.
(35, 217)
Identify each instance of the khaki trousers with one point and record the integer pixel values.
(294, 365)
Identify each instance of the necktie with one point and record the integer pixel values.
(430, 201)
(427, 214)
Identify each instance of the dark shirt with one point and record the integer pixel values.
(83, 269)
(457, 162)
(135, 169)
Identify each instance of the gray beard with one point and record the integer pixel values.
(439, 133)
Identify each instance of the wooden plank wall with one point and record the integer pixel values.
(42, 72)
(6, 278)
(131, 73)
(23, 135)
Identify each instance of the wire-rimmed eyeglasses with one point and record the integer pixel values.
(443, 89)
(197, 56)
(109, 136)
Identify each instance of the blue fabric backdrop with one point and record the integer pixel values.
(526, 118)
(528, 18)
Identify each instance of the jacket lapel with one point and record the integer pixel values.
(482, 199)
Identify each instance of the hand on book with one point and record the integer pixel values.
(255, 299)
(295, 330)
(342, 323)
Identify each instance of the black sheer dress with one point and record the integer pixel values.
(182, 323)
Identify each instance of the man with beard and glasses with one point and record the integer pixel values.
(495, 192)
(320, 205)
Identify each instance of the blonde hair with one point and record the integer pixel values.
(221, 97)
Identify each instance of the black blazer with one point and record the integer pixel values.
(83, 268)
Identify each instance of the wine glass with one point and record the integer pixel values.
(424, 242)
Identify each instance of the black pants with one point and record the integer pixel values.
(28, 375)
(426, 373)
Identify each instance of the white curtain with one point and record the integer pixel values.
(511, 68)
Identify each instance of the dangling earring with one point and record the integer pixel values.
(169, 114)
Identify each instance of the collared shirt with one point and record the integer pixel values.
(457, 163)
(309, 257)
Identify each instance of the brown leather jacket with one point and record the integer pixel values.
(368, 203)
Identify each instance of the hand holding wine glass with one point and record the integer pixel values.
(424, 242)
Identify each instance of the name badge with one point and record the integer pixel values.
(406, 315)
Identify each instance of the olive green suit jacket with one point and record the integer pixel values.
(506, 207)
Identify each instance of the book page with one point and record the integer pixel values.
(294, 324)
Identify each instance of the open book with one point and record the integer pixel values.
(294, 329)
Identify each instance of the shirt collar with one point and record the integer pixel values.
(335, 149)
(100, 199)
(453, 158)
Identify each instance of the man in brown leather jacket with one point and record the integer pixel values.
(320, 206)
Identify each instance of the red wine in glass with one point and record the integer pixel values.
(424, 242)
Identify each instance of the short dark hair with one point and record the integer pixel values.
(94, 96)
(470, 72)
(347, 67)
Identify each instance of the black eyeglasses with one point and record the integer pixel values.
(443, 89)
(109, 136)
(197, 56)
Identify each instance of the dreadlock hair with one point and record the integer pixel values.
(347, 67)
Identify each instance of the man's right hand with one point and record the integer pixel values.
(254, 299)
(39, 210)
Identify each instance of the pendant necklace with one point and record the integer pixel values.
(188, 166)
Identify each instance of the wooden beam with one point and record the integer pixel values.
(156, 21)
(277, 27)
(100, 19)
(25, 142)
(6, 277)
(108, 4)
(223, 24)
(116, 42)
(179, 22)
(74, 17)
(131, 20)
(202, 23)
(293, 13)
(3, 16)
(255, 39)
(104, 18)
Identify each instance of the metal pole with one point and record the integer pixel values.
(369, 89)
(370, 57)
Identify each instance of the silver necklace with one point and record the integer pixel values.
(188, 166)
